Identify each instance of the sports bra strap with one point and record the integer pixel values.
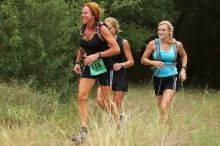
(98, 30)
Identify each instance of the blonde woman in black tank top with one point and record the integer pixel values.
(120, 63)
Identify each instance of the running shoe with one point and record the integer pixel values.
(122, 120)
(81, 136)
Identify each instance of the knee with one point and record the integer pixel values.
(159, 103)
(119, 100)
(164, 105)
(82, 97)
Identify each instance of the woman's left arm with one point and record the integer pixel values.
(128, 55)
(130, 61)
(182, 53)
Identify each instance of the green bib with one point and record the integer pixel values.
(97, 67)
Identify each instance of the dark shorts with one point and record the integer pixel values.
(104, 79)
(120, 81)
(163, 83)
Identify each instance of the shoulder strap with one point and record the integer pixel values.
(121, 46)
(98, 30)
(120, 41)
(82, 29)
(157, 43)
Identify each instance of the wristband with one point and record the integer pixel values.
(122, 66)
(184, 67)
(77, 62)
(99, 55)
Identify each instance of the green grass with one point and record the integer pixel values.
(31, 118)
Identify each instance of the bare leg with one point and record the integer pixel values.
(106, 101)
(99, 100)
(159, 100)
(85, 86)
(168, 95)
(118, 98)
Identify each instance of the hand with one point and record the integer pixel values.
(182, 75)
(117, 66)
(77, 69)
(90, 59)
(158, 64)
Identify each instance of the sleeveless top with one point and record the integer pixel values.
(95, 45)
(168, 58)
(119, 58)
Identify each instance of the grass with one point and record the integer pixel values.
(32, 118)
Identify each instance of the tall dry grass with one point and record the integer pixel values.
(31, 118)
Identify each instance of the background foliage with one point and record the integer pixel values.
(39, 39)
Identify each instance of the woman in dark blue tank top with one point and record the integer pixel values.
(166, 77)
(94, 50)
(120, 63)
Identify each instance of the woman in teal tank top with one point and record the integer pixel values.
(164, 51)
(168, 57)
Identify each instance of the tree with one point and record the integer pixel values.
(38, 38)
(197, 28)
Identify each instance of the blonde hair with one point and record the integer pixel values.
(114, 23)
(95, 9)
(170, 28)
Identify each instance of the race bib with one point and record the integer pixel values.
(97, 67)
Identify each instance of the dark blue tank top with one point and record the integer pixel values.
(119, 58)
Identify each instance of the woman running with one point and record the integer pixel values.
(164, 51)
(94, 49)
(121, 62)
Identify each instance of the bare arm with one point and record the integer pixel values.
(130, 61)
(148, 51)
(79, 57)
(114, 48)
(181, 51)
(128, 55)
(80, 54)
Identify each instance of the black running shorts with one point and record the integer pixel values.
(104, 79)
(163, 83)
(120, 81)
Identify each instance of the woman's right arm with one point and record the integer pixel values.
(148, 51)
(80, 55)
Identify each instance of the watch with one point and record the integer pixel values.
(184, 67)
(77, 62)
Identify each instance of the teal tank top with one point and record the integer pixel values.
(168, 58)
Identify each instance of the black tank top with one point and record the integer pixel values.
(119, 58)
(95, 45)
